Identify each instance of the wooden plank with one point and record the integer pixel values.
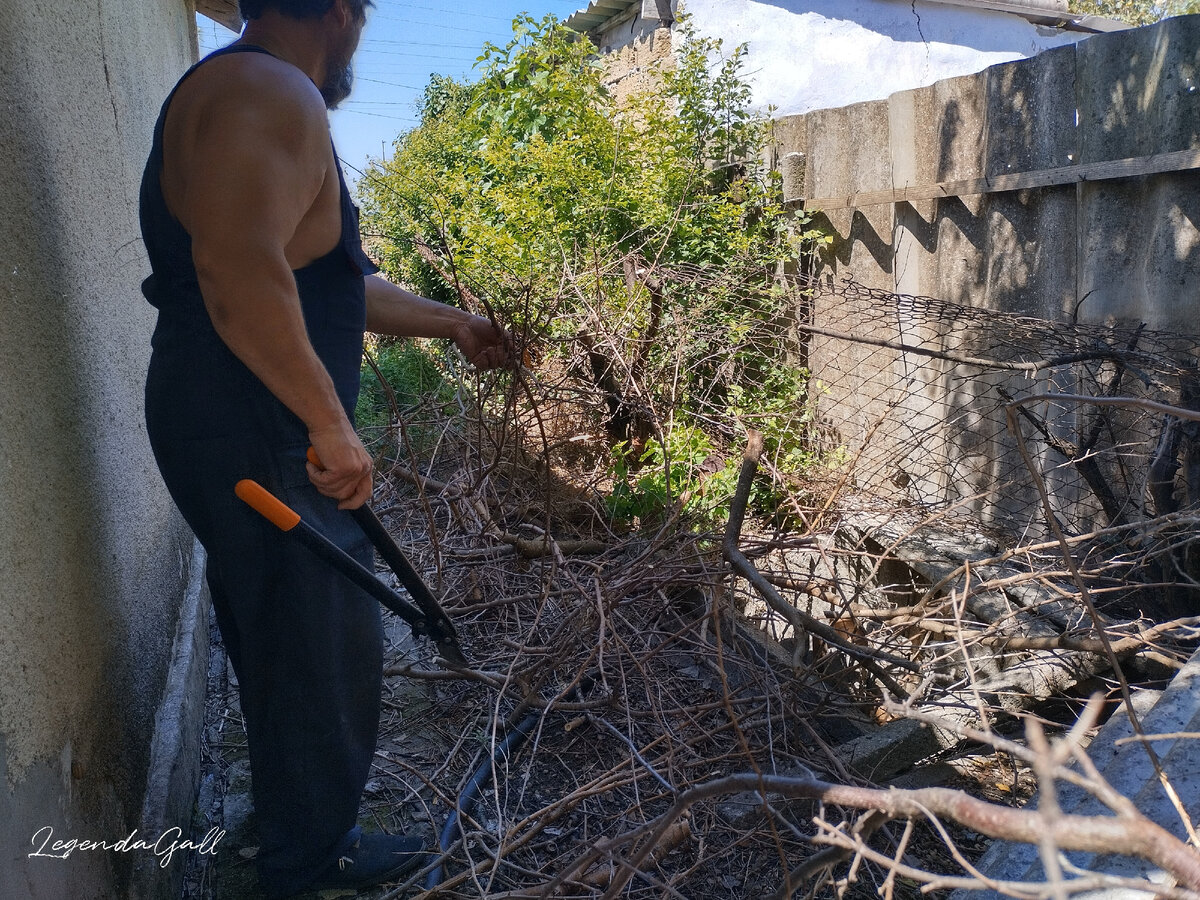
(1178, 161)
(224, 12)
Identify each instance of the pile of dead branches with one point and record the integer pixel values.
(711, 715)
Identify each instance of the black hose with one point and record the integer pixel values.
(469, 794)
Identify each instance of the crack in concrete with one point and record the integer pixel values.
(921, 34)
(112, 97)
(917, 15)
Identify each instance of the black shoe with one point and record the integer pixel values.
(375, 859)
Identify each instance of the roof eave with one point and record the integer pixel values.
(1096, 24)
(223, 12)
(596, 13)
(1053, 14)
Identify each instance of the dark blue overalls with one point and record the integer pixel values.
(305, 644)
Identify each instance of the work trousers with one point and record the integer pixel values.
(305, 644)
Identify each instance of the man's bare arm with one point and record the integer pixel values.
(257, 166)
(393, 310)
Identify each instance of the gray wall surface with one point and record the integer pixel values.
(1118, 252)
(94, 560)
(1133, 244)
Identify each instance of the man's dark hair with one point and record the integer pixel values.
(297, 9)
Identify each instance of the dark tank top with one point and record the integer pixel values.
(331, 290)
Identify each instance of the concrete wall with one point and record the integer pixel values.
(1122, 252)
(804, 55)
(94, 562)
(1131, 244)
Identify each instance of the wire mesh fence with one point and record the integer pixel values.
(918, 392)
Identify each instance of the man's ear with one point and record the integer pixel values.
(341, 13)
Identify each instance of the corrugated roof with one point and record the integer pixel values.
(597, 13)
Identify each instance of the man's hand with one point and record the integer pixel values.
(485, 345)
(392, 309)
(346, 467)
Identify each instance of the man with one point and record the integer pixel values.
(263, 294)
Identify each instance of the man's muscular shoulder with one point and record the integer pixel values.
(248, 88)
(249, 145)
(241, 104)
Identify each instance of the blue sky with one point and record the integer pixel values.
(404, 42)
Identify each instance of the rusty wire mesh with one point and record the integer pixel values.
(917, 393)
(916, 389)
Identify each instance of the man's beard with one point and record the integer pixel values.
(338, 83)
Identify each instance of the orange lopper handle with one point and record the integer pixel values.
(267, 504)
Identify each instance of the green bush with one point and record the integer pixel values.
(1134, 12)
(412, 374)
(651, 227)
(687, 475)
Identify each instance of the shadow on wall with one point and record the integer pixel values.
(1140, 243)
(861, 234)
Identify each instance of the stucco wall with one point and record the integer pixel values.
(93, 559)
(804, 55)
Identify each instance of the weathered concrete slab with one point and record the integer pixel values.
(1012, 251)
(1030, 113)
(1139, 91)
(839, 164)
(1029, 264)
(1142, 242)
(911, 114)
(1128, 769)
(1139, 94)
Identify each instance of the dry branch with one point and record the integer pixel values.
(530, 548)
(802, 622)
(1128, 834)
